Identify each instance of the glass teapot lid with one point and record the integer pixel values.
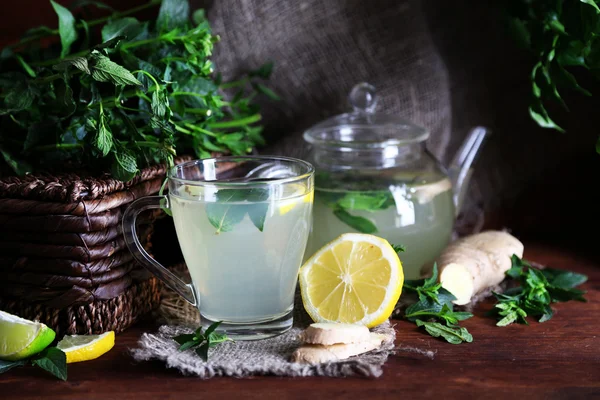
(363, 127)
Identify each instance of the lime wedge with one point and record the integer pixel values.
(21, 338)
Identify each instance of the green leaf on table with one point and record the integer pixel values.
(81, 63)
(66, 27)
(361, 224)
(173, 14)
(453, 335)
(562, 278)
(105, 70)
(202, 341)
(127, 27)
(54, 361)
(7, 365)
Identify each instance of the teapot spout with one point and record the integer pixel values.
(460, 170)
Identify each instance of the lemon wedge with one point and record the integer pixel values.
(86, 347)
(356, 278)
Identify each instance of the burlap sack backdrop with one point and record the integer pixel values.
(321, 48)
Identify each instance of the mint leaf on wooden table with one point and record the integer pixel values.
(537, 290)
(7, 365)
(452, 334)
(52, 360)
(434, 310)
(202, 341)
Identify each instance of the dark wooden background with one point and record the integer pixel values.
(556, 199)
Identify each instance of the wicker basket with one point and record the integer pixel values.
(63, 259)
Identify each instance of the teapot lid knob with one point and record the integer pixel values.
(363, 98)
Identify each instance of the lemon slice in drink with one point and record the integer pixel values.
(285, 206)
(21, 338)
(86, 347)
(356, 278)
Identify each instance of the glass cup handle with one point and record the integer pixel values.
(133, 243)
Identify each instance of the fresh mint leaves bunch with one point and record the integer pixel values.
(434, 310)
(119, 94)
(537, 290)
(563, 38)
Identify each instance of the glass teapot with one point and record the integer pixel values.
(375, 175)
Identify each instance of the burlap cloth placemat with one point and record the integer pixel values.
(247, 358)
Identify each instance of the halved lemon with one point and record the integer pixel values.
(356, 278)
(86, 347)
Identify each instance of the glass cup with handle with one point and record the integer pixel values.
(243, 225)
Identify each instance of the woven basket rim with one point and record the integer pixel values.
(70, 187)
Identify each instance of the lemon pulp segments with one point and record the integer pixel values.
(356, 278)
(86, 347)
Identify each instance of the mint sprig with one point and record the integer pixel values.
(202, 341)
(434, 310)
(51, 359)
(537, 290)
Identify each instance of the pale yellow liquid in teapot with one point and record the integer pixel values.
(418, 217)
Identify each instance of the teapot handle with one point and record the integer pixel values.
(460, 170)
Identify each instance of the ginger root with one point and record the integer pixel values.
(318, 353)
(475, 263)
(331, 341)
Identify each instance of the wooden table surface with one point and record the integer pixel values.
(553, 360)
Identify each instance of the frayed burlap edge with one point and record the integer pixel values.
(265, 357)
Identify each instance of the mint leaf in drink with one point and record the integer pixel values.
(452, 334)
(224, 217)
(66, 27)
(7, 365)
(252, 202)
(361, 224)
(54, 361)
(364, 201)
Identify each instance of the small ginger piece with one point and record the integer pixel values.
(327, 333)
(474, 263)
(318, 353)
